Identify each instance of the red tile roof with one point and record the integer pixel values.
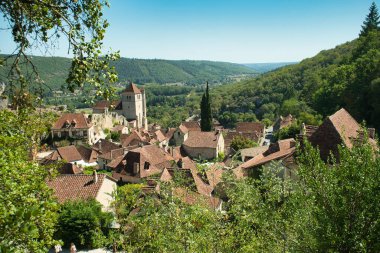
(132, 88)
(249, 127)
(191, 125)
(75, 187)
(69, 153)
(72, 120)
(89, 155)
(103, 104)
(276, 151)
(197, 139)
(104, 146)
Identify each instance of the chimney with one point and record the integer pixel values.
(95, 175)
(371, 133)
(100, 145)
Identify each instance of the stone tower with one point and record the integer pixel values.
(134, 105)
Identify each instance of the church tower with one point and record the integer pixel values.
(134, 105)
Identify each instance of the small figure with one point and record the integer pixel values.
(57, 248)
(72, 248)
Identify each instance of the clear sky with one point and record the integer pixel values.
(242, 31)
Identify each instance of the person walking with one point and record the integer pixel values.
(73, 249)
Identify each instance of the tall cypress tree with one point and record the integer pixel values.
(206, 117)
(372, 21)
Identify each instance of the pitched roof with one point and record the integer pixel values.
(183, 129)
(132, 138)
(345, 125)
(102, 104)
(169, 133)
(112, 154)
(252, 152)
(104, 146)
(75, 187)
(89, 155)
(246, 127)
(69, 153)
(72, 120)
(276, 151)
(69, 168)
(191, 125)
(132, 88)
(198, 139)
(159, 136)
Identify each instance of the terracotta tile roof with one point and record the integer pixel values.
(252, 152)
(89, 155)
(72, 120)
(104, 146)
(69, 168)
(132, 139)
(69, 153)
(151, 156)
(197, 139)
(339, 128)
(254, 136)
(191, 125)
(169, 133)
(183, 129)
(214, 174)
(132, 88)
(117, 163)
(276, 151)
(160, 136)
(75, 187)
(242, 170)
(248, 127)
(112, 154)
(103, 104)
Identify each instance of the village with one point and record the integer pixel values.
(94, 165)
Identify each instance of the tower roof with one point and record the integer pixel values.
(132, 88)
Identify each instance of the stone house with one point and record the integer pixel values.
(83, 187)
(139, 163)
(339, 128)
(75, 126)
(282, 122)
(282, 150)
(203, 145)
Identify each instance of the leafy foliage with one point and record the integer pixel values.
(206, 117)
(372, 21)
(27, 210)
(83, 223)
(41, 24)
(240, 142)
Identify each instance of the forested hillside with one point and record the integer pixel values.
(347, 76)
(54, 71)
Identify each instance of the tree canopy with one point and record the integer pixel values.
(372, 20)
(41, 23)
(206, 117)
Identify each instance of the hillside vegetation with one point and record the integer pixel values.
(54, 71)
(346, 76)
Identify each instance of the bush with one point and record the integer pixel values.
(83, 223)
(240, 142)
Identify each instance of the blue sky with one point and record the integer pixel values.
(242, 31)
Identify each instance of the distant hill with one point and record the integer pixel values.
(54, 70)
(266, 67)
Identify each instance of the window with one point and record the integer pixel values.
(146, 165)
